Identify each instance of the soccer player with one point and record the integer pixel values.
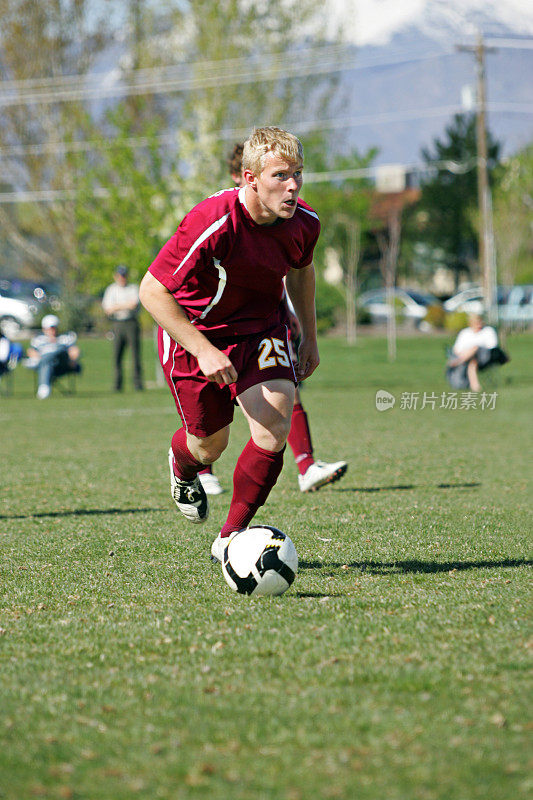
(215, 289)
(313, 474)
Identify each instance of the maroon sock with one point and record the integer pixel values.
(185, 465)
(206, 470)
(255, 474)
(299, 439)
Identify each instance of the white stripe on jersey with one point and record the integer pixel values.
(307, 211)
(222, 277)
(205, 235)
(166, 346)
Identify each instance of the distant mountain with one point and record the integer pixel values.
(401, 107)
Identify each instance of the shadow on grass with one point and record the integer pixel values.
(317, 594)
(396, 567)
(404, 486)
(82, 512)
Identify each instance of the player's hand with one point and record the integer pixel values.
(308, 359)
(216, 366)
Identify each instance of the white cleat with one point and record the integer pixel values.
(43, 391)
(320, 473)
(210, 483)
(218, 547)
(189, 496)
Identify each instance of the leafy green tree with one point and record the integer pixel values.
(40, 42)
(121, 181)
(445, 220)
(124, 201)
(343, 203)
(513, 219)
(226, 47)
(253, 49)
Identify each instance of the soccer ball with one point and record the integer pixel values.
(260, 561)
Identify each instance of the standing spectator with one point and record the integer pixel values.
(121, 304)
(52, 355)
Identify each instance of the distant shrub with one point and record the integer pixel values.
(363, 316)
(329, 305)
(435, 316)
(456, 321)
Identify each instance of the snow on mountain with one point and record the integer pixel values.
(376, 22)
(408, 78)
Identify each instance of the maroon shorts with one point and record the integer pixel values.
(204, 406)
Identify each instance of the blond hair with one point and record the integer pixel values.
(263, 141)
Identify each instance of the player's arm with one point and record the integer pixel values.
(160, 303)
(300, 285)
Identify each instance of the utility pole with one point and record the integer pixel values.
(487, 261)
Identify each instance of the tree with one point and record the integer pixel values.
(446, 216)
(513, 219)
(123, 206)
(250, 46)
(61, 42)
(238, 59)
(343, 206)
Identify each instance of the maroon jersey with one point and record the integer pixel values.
(226, 271)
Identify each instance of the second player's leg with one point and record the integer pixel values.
(313, 474)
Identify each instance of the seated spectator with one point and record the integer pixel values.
(10, 354)
(475, 349)
(52, 355)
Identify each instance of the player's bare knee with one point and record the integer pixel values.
(207, 450)
(210, 453)
(274, 437)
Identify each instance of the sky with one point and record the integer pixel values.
(374, 22)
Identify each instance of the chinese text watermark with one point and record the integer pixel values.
(449, 401)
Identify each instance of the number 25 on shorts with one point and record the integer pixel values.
(272, 352)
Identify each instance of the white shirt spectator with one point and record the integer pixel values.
(116, 295)
(468, 338)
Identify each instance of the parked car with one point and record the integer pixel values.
(515, 303)
(16, 314)
(469, 301)
(410, 304)
(38, 293)
(517, 308)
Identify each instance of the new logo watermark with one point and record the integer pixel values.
(449, 401)
(384, 400)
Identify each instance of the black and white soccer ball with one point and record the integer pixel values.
(260, 561)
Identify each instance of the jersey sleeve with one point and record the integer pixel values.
(311, 229)
(189, 250)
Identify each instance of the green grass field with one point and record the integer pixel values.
(396, 666)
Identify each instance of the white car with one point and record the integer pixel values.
(410, 304)
(515, 306)
(15, 315)
(469, 301)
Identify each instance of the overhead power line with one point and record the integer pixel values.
(515, 44)
(56, 148)
(54, 195)
(202, 75)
